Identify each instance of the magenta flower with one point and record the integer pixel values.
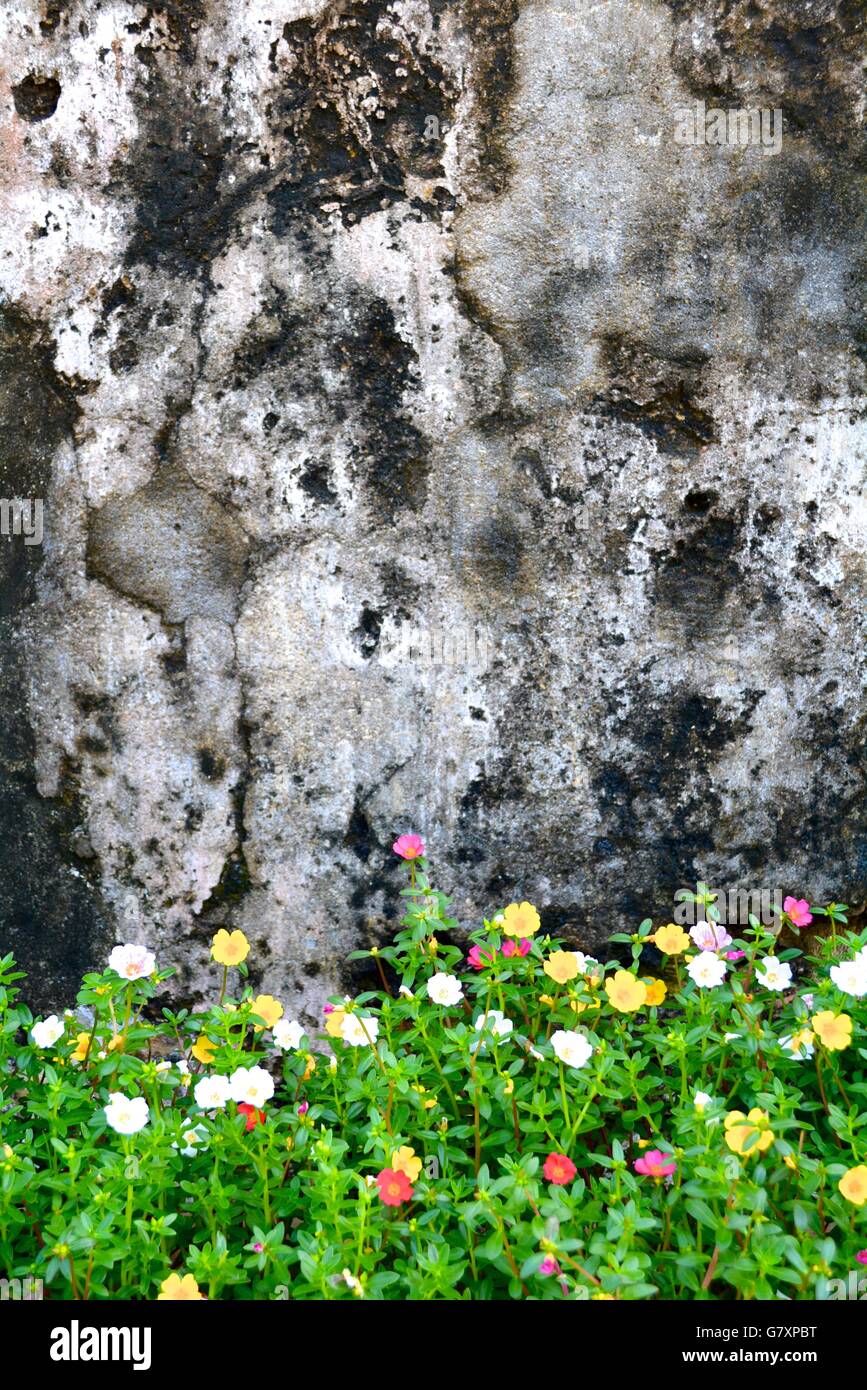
(258, 1247)
(655, 1164)
(798, 911)
(516, 948)
(478, 958)
(409, 846)
(861, 1257)
(328, 1008)
(549, 1266)
(304, 1107)
(735, 955)
(710, 936)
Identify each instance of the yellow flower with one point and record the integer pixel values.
(310, 1067)
(853, 1185)
(404, 1160)
(203, 1049)
(266, 1007)
(334, 1023)
(229, 948)
(656, 990)
(578, 1005)
(547, 999)
(602, 1297)
(791, 1162)
(748, 1134)
(176, 1289)
(117, 1042)
(561, 966)
(81, 1048)
(670, 940)
(625, 993)
(834, 1031)
(520, 919)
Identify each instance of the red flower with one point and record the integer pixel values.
(254, 1117)
(478, 958)
(559, 1169)
(394, 1187)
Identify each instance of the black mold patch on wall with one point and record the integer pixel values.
(51, 915)
(36, 97)
(354, 103)
(656, 394)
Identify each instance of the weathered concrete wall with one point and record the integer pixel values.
(337, 335)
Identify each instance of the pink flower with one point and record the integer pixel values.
(655, 1164)
(549, 1266)
(861, 1257)
(409, 846)
(798, 911)
(710, 936)
(258, 1247)
(304, 1107)
(328, 1008)
(735, 955)
(511, 947)
(478, 958)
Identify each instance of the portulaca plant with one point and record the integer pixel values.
(504, 1118)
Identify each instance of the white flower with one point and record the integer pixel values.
(808, 1000)
(706, 970)
(288, 1034)
(587, 965)
(132, 962)
(185, 1073)
(193, 1140)
(535, 1054)
(799, 1045)
(444, 989)
(730, 1037)
(47, 1033)
(571, 1048)
(774, 974)
(701, 1099)
(124, 1115)
(358, 1031)
(406, 992)
(353, 1283)
(164, 1066)
(212, 1092)
(495, 1022)
(332, 1063)
(851, 977)
(251, 1086)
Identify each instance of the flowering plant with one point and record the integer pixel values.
(500, 1118)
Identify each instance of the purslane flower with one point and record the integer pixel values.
(212, 1092)
(394, 1187)
(179, 1289)
(495, 1022)
(229, 948)
(834, 1031)
(269, 1009)
(707, 970)
(445, 989)
(774, 974)
(799, 1045)
(570, 1048)
(561, 966)
(671, 940)
(853, 1185)
(710, 936)
(125, 1115)
(251, 1086)
(655, 1164)
(288, 1034)
(409, 846)
(359, 1031)
(798, 911)
(405, 1160)
(48, 1032)
(748, 1134)
(132, 962)
(559, 1169)
(521, 920)
(625, 992)
(850, 977)
(192, 1141)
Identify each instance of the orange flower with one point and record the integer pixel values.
(670, 940)
(81, 1048)
(834, 1031)
(178, 1289)
(853, 1185)
(229, 948)
(520, 919)
(625, 993)
(656, 991)
(269, 1009)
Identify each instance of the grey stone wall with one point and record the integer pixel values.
(434, 433)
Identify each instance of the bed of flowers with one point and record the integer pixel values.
(508, 1120)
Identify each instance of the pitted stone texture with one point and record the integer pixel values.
(428, 441)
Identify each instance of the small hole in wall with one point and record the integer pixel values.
(36, 97)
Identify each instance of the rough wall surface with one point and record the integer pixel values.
(429, 439)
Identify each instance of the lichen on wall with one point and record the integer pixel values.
(430, 439)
